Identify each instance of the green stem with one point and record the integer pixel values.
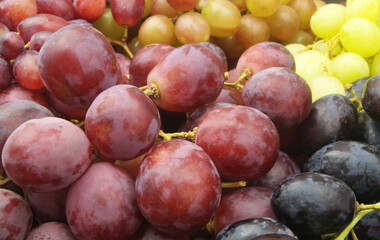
(246, 74)
(188, 135)
(234, 184)
(120, 43)
(5, 181)
(355, 99)
(151, 91)
(347, 230)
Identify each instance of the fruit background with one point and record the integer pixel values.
(189, 119)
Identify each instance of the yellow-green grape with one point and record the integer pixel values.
(349, 67)
(295, 48)
(361, 36)
(319, 3)
(262, 8)
(321, 47)
(324, 85)
(192, 27)
(223, 17)
(147, 6)
(327, 20)
(107, 25)
(375, 67)
(311, 63)
(157, 29)
(240, 4)
(363, 9)
(284, 2)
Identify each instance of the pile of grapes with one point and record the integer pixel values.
(189, 119)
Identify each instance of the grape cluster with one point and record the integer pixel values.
(189, 119)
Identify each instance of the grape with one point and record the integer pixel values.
(38, 23)
(369, 226)
(101, 204)
(332, 118)
(147, 232)
(38, 39)
(301, 37)
(305, 9)
(311, 63)
(252, 140)
(230, 46)
(92, 67)
(262, 8)
(157, 29)
(131, 166)
(284, 167)
(250, 228)
(284, 2)
(25, 70)
(15, 216)
(348, 67)
(229, 96)
(134, 45)
(16, 91)
(51, 230)
(187, 78)
(124, 63)
(240, 4)
(178, 187)
(62, 8)
(284, 23)
(265, 55)
(295, 48)
(3, 29)
(122, 123)
(11, 45)
(46, 154)
(145, 60)
(252, 30)
(192, 27)
(375, 66)
(107, 25)
(368, 130)
(223, 17)
(5, 74)
(183, 5)
(162, 7)
(241, 204)
(147, 8)
(352, 162)
(279, 93)
(48, 206)
(314, 204)
(289, 142)
(371, 97)
(218, 52)
(127, 12)
(368, 9)
(16, 112)
(12, 12)
(361, 36)
(320, 3)
(327, 21)
(325, 85)
(89, 10)
(274, 237)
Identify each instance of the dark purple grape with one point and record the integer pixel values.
(250, 228)
(11, 45)
(332, 118)
(51, 231)
(61, 8)
(5, 74)
(314, 204)
(368, 228)
(274, 237)
(38, 39)
(371, 97)
(15, 216)
(357, 86)
(122, 123)
(101, 204)
(355, 163)
(367, 130)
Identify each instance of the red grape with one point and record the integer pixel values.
(89, 10)
(124, 64)
(242, 141)
(229, 96)
(127, 12)
(183, 5)
(38, 39)
(11, 45)
(5, 74)
(178, 187)
(46, 154)
(101, 204)
(17, 91)
(3, 29)
(61, 8)
(25, 70)
(87, 65)
(122, 123)
(50, 231)
(12, 12)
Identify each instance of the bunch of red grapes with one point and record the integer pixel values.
(177, 119)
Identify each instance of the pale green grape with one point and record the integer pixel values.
(363, 9)
(349, 67)
(361, 36)
(375, 67)
(323, 85)
(295, 48)
(321, 47)
(327, 20)
(311, 63)
(107, 25)
(262, 8)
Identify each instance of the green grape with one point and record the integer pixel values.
(325, 85)
(349, 67)
(262, 8)
(147, 7)
(284, 2)
(157, 29)
(319, 3)
(295, 48)
(375, 66)
(327, 20)
(363, 9)
(321, 47)
(223, 17)
(311, 63)
(107, 25)
(361, 36)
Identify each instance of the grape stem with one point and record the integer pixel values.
(190, 135)
(77, 122)
(246, 74)
(355, 99)
(26, 46)
(124, 46)
(151, 91)
(234, 184)
(5, 181)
